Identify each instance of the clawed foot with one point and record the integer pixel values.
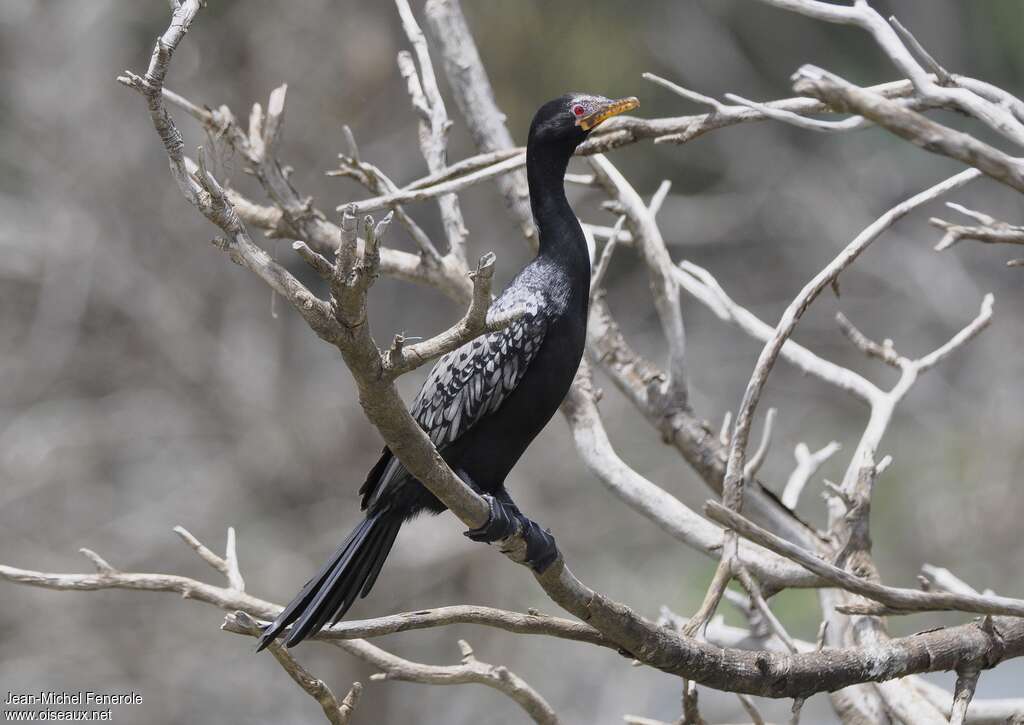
(506, 520)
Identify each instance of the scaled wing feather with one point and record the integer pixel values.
(470, 382)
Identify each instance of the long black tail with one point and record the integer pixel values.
(351, 571)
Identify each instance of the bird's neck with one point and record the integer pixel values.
(560, 236)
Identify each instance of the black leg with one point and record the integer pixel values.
(505, 520)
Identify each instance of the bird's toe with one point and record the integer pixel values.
(501, 523)
(541, 550)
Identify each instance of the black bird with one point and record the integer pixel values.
(483, 403)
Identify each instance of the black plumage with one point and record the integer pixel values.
(483, 403)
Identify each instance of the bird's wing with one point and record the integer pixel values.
(472, 381)
(469, 383)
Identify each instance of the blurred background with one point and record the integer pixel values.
(145, 381)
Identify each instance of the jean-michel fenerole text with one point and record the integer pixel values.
(86, 697)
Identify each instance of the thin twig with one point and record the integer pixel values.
(434, 124)
(807, 464)
(932, 65)
(991, 230)
(882, 351)
(963, 692)
(757, 460)
(795, 119)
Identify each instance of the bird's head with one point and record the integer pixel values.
(569, 119)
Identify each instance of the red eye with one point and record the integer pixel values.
(578, 110)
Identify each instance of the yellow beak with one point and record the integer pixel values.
(603, 113)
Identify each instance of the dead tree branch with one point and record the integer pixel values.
(337, 713)
(896, 599)
(470, 672)
(755, 673)
(434, 124)
(475, 100)
(937, 89)
(990, 231)
(910, 125)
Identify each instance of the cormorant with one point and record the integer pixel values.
(483, 403)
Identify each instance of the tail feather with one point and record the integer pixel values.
(351, 571)
(344, 595)
(301, 601)
(332, 592)
(381, 555)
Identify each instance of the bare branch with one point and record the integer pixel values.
(691, 712)
(337, 713)
(203, 191)
(350, 702)
(353, 167)
(601, 269)
(530, 624)
(439, 189)
(234, 575)
(861, 14)
(909, 600)
(723, 635)
(402, 358)
(687, 93)
(716, 590)
(963, 693)
(221, 597)
(242, 607)
(98, 561)
(755, 462)
(639, 720)
(807, 464)
(205, 554)
(664, 287)
(447, 276)
(687, 128)
(744, 672)
(940, 578)
(465, 167)
(705, 288)
(910, 125)
(991, 230)
(758, 600)
(397, 668)
(650, 500)
(294, 216)
(827, 11)
(434, 124)
(726, 429)
(930, 64)
(884, 351)
(474, 97)
(315, 260)
(751, 709)
(733, 486)
(795, 119)
(965, 335)
(691, 436)
(979, 712)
